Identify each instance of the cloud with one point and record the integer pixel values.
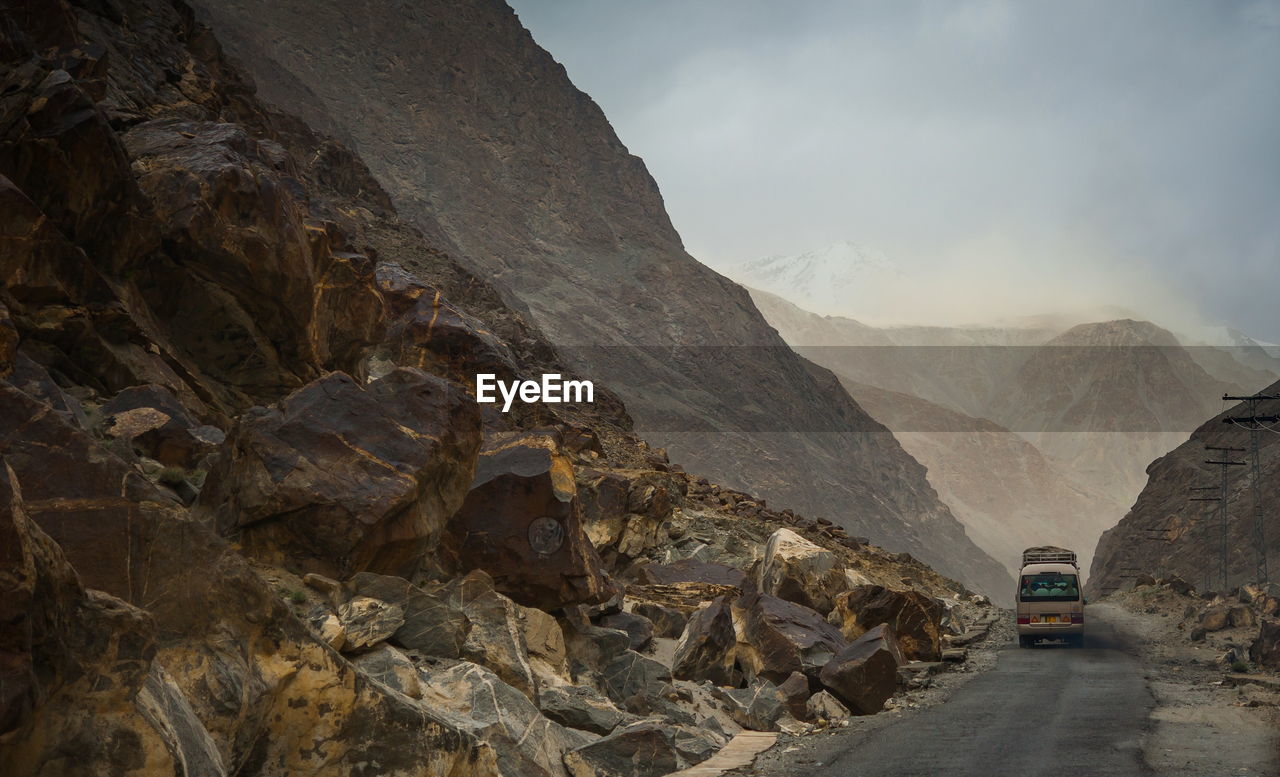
(1124, 151)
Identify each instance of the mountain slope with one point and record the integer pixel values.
(483, 142)
(1163, 502)
(1007, 493)
(1105, 398)
(956, 367)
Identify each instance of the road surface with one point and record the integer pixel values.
(1048, 711)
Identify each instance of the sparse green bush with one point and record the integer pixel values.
(1239, 666)
(293, 595)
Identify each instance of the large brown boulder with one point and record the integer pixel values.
(580, 707)
(431, 625)
(426, 331)
(341, 477)
(625, 513)
(521, 523)
(916, 618)
(266, 296)
(706, 650)
(155, 424)
(865, 673)
(649, 748)
(799, 571)
(776, 637)
(1265, 650)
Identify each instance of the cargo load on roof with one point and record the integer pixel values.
(1048, 554)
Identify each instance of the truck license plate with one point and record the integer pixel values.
(1051, 619)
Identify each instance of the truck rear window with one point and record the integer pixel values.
(1052, 587)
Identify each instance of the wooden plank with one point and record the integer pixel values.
(741, 751)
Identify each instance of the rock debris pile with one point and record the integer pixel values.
(254, 522)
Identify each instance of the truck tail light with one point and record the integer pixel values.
(1077, 617)
(1023, 620)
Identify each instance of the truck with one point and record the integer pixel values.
(1049, 597)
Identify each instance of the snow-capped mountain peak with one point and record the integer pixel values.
(830, 280)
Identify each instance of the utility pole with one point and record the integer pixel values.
(1254, 423)
(1226, 464)
(1206, 538)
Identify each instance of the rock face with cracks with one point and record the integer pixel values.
(521, 523)
(346, 478)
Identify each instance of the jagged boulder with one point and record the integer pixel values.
(668, 622)
(639, 629)
(580, 707)
(152, 420)
(425, 330)
(520, 522)
(496, 636)
(589, 646)
(548, 653)
(391, 668)
(342, 477)
(1265, 650)
(633, 675)
(706, 650)
(758, 707)
(776, 637)
(524, 740)
(1265, 599)
(865, 673)
(624, 514)
(645, 749)
(822, 706)
(367, 622)
(431, 624)
(916, 618)
(264, 294)
(1215, 618)
(800, 571)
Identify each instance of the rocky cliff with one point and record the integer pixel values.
(1192, 529)
(483, 142)
(253, 523)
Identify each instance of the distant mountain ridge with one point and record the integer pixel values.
(1025, 430)
(831, 279)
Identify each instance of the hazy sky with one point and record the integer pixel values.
(1013, 157)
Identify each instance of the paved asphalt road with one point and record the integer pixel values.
(1042, 712)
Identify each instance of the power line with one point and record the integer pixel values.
(1225, 464)
(1255, 424)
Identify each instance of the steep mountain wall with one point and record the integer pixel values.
(253, 524)
(1007, 493)
(1164, 502)
(481, 139)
